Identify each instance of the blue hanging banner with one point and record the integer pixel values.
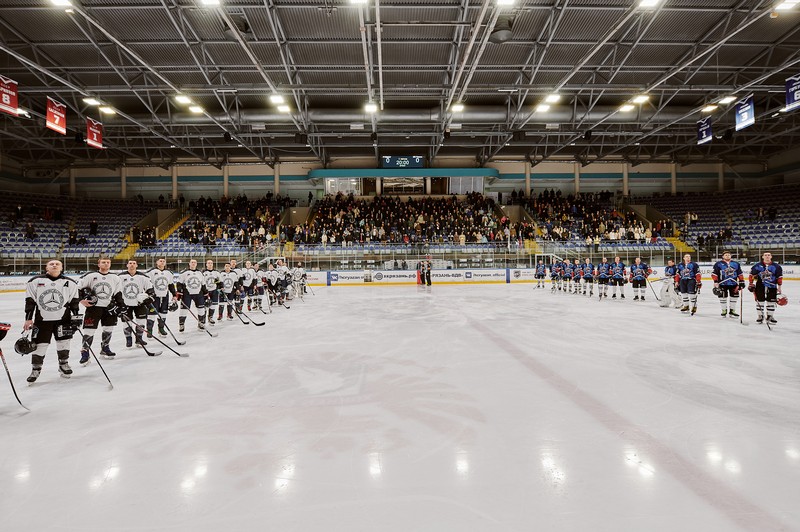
(745, 113)
(704, 132)
(792, 93)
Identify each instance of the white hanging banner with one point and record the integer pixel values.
(745, 113)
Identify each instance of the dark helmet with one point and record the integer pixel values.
(24, 346)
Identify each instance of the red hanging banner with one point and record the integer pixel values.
(56, 116)
(94, 133)
(8, 96)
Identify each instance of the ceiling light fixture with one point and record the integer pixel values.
(553, 98)
(505, 2)
(185, 100)
(710, 108)
(648, 3)
(727, 99)
(196, 109)
(787, 5)
(284, 108)
(210, 2)
(62, 3)
(457, 107)
(542, 108)
(371, 107)
(626, 108)
(641, 98)
(91, 101)
(276, 99)
(358, 1)
(107, 110)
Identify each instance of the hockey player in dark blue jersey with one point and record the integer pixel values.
(603, 275)
(588, 277)
(689, 277)
(640, 271)
(669, 287)
(569, 271)
(728, 282)
(555, 275)
(541, 271)
(768, 278)
(618, 276)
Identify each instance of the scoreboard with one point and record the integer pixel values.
(402, 161)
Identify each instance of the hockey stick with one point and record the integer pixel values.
(160, 341)
(4, 328)
(309, 287)
(278, 299)
(653, 289)
(163, 323)
(212, 335)
(110, 384)
(240, 314)
(133, 327)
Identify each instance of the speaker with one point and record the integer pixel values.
(301, 138)
(728, 135)
(587, 135)
(226, 136)
(79, 137)
(447, 134)
(374, 137)
(518, 136)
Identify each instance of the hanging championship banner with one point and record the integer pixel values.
(56, 116)
(704, 132)
(8, 96)
(792, 93)
(745, 113)
(94, 133)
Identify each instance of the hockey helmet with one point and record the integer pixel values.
(173, 306)
(24, 346)
(4, 328)
(717, 291)
(782, 300)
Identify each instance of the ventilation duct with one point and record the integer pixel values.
(502, 29)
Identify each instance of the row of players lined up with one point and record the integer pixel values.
(681, 282)
(140, 299)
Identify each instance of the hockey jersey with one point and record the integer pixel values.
(191, 282)
(670, 271)
(163, 281)
(618, 270)
(640, 272)
(588, 271)
(135, 287)
(689, 271)
(604, 270)
(50, 299)
(248, 277)
(540, 269)
(211, 280)
(229, 280)
(770, 275)
(102, 285)
(727, 273)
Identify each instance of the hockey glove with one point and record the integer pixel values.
(699, 285)
(143, 299)
(114, 309)
(751, 287)
(741, 285)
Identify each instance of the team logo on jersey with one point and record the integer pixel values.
(193, 283)
(51, 300)
(102, 290)
(730, 272)
(766, 275)
(161, 284)
(228, 284)
(130, 291)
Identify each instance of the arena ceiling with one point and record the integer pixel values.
(415, 60)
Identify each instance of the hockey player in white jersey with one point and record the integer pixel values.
(51, 311)
(272, 285)
(137, 293)
(211, 278)
(299, 278)
(284, 278)
(164, 286)
(100, 294)
(669, 288)
(248, 284)
(191, 289)
(230, 285)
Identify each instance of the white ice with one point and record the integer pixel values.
(459, 408)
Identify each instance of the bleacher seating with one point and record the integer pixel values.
(738, 212)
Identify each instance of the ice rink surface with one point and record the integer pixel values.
(464, 408)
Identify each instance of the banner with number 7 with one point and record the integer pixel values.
(56, 116)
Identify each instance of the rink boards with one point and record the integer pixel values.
(409, 277)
